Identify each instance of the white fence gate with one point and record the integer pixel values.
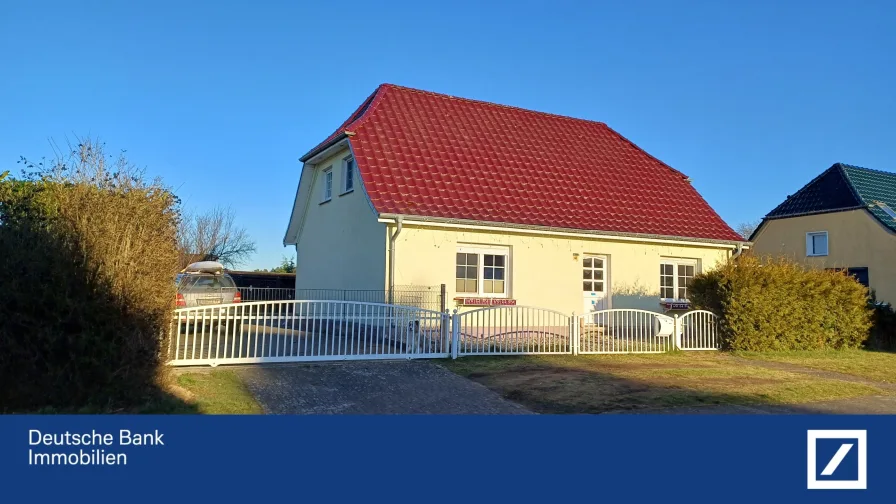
(512, 330)
(626, 331)
(698, 330)
(296, 331)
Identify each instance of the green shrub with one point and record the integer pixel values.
(87, 261)
(768, 304)
(883, 332)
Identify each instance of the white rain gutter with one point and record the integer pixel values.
(541, 230)
(398, 222)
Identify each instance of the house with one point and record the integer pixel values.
(502, 204)
(843, 219)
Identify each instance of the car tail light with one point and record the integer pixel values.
(181, 302)
(237, 297)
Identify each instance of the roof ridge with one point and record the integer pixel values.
(809, 183)
(488, 103)
(850, 182)
(872, 170)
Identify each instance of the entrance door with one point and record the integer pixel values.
(595, 283)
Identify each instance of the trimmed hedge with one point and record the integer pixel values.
(883, 334)
(770, 304)
(87, 262)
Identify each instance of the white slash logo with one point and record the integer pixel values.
(859, 482)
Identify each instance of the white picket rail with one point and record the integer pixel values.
(291, 331)
(698, 330)
(626, 331)
(512, 330)
(296, 331)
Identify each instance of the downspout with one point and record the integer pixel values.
(398, 220)
(739, 251)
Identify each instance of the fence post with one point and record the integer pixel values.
(677, 330)
(442, 302)
(446, 330)
(576, 324)
(455, 334)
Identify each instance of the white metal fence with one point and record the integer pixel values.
(698, 330)
(512, 330)
(267, 294)
(626, 331)
(287, 331)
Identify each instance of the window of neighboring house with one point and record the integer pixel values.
(348, 175)
(482, 271)
(817, 243)
(328, 185)
(675, 277)
(860, 274)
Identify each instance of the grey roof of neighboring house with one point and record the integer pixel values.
(843, 187)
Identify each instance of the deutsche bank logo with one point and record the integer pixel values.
(837, 459)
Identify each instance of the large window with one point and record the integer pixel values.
(675, 276)
(482, 271)
(817, 243)
(348, 175)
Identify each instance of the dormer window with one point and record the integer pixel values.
(886, 208)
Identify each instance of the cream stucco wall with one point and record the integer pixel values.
(340, 245)
(855, 239)
(543, 271)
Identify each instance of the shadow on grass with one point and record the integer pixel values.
(658, 383)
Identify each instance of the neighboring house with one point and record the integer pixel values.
(502, 204)
(843, 219)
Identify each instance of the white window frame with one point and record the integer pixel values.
(675, 264)
(810, 249)
(482, 250)
(348, 173)
(327, 188)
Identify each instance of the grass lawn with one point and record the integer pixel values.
(217, 391)
(876, 366)
(601, 383)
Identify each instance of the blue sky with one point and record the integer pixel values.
(750, 99)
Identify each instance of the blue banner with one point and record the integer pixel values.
(618, 458)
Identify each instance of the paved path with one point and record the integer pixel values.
(370, 387)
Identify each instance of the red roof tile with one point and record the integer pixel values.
(427, 154)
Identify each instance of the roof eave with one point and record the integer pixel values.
(817, 212)
(412, 219)
(320, 149)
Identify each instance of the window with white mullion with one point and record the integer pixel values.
(675, 277)
(493, 270)
(327, 190)
(348, 175)
(481, 272)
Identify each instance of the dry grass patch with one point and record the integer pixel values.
(602, 383)
(875, 366)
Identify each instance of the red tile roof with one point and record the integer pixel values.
(427, 154)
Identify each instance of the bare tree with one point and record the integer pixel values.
(746, 229)
(213, 236)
